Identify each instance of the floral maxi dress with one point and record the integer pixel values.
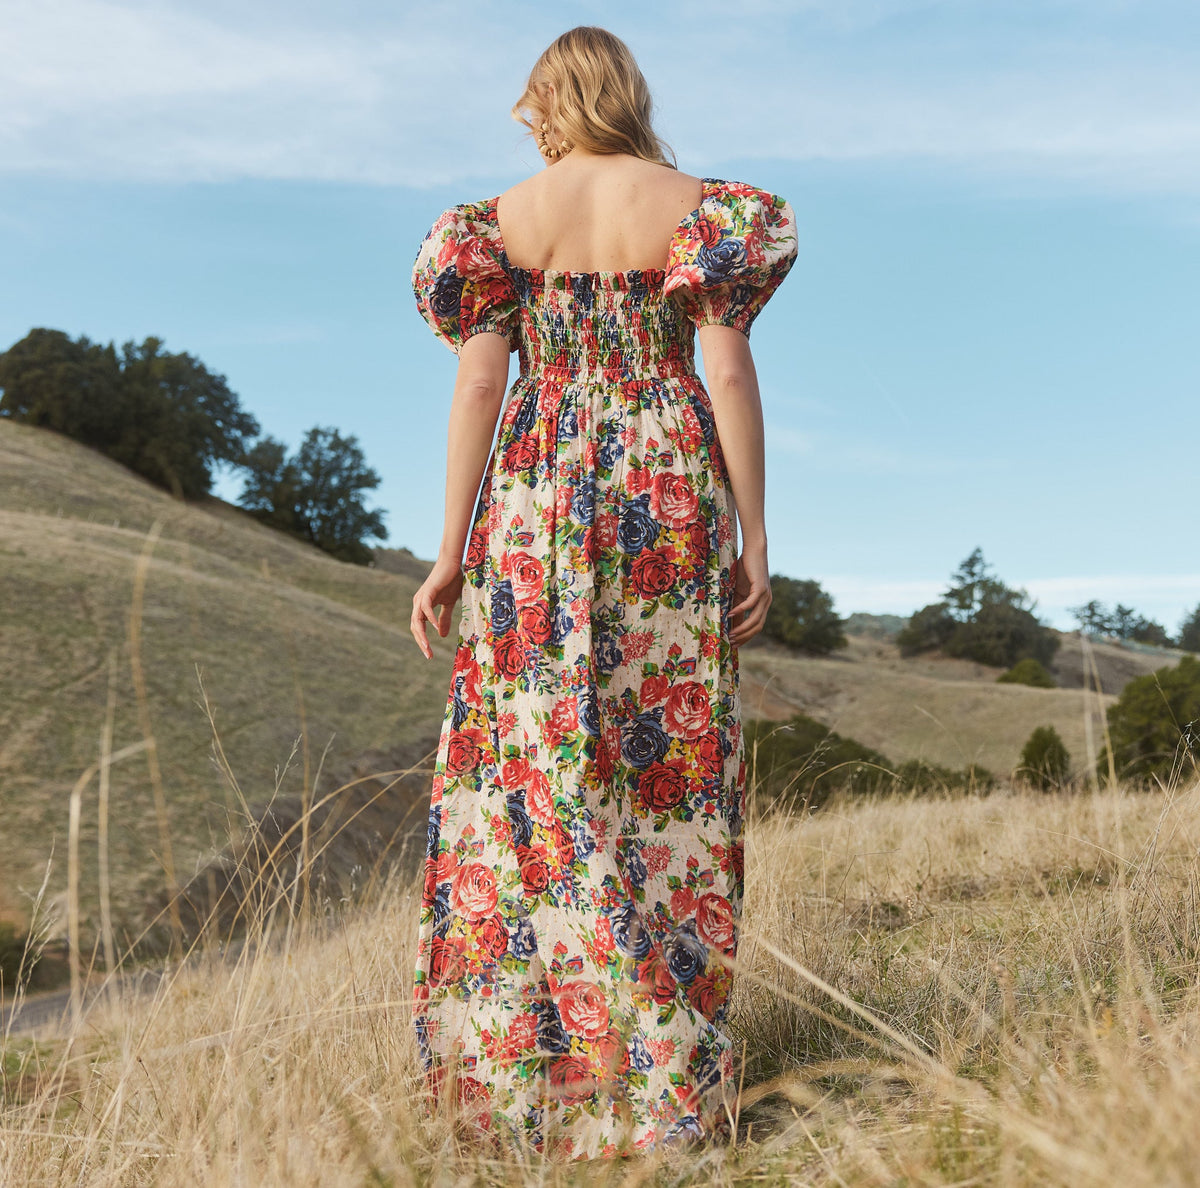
(584, 877)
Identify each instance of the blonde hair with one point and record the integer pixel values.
(587, 87)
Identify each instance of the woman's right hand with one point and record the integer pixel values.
(441, 589)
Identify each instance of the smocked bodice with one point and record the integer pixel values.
(619, 323)
(725, 260)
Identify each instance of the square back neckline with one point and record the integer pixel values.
(707, 186)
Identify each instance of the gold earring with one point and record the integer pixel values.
(547, 150)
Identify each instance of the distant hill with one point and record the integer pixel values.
(874, 626)
(290, 646)
(936, 708)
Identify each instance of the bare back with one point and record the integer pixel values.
(595, 213)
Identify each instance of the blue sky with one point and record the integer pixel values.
(988, 338)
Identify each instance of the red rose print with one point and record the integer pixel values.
(655, 689)
(652, 574)
(472, 678)
(430, 888)
(604, 761)
(712, 759)
(708, 232)
(462, 754)
(637, 480)
(714, 921)
(688, 710)
(493, 936)
(654, 974)
(698, 546)
(535, 874)
(571, 1079)
(476, 547)
(527, 575)
(702, 994)
(539, 797)
(510, 655)
(612, 1054)
(521, 454)
(683, 901)
(446, 961)
(564, 717)
(472, 259)
(673, 500)
(535, 623)
(737, 858)
(584, 1008)
(605, 530)
(514, 773)
(473, 892)
(661, 787)
(565, 845)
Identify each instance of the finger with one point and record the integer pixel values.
(443, 623)
(749, 627)
(754, 595)
(417, 626)
(751, 624)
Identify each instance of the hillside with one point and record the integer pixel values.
(308, 666)
(289, 645)
(935, 708)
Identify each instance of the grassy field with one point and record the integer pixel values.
(306, 664)
(938, 992)
(938, 709)
(309, 675)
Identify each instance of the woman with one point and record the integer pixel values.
(584, 879)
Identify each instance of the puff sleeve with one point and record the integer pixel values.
(459, 279)
(731, 254)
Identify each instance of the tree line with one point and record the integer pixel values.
(170, 419)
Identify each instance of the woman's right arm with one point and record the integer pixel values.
(479, 388)
(737, 411)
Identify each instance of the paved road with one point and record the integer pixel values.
(52, 1008)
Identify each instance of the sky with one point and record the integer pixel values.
(988, 338)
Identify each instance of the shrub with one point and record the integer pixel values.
(1189, 632)
(12, 949)
(1028, 672)
(804, 762)
(801, 615)
(979, 618)
(1045, 760)
(1153, 726)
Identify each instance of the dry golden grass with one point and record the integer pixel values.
(291, 645)
(945, 711)
(960, 991)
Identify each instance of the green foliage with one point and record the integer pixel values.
(166, 417)
(1189, 632)
(1045, 761)
(979, 618)
(1122, 622)
(801, 615)
(1028, 672)
(1155, 724)
(930, 628)
(12, 950)
(317, 494)
(803, 762)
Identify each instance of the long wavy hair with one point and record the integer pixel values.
(588, 88)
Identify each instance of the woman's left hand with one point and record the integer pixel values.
(752, 596)
(441, 589)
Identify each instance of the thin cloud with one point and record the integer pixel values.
(416, 96)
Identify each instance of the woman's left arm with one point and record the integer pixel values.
(479, 389)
